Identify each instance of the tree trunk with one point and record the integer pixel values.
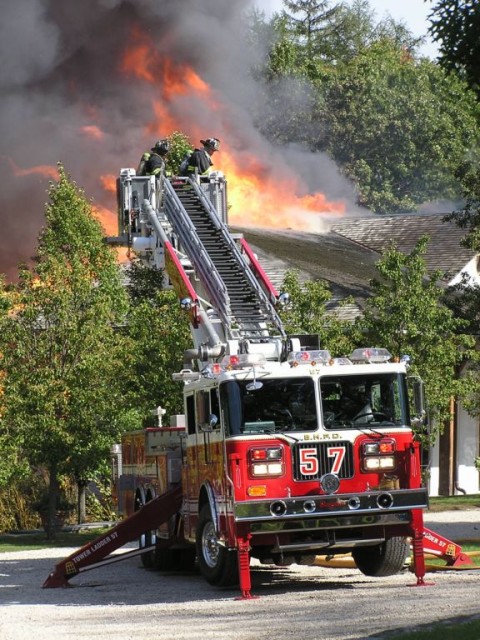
(81, 509)
(53, 491)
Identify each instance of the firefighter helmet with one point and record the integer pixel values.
(213, 144)
(161, 147)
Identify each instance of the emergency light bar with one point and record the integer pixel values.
(370, 355)
(318, 356)
(243, 360)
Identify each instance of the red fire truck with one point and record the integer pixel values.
(283, 451)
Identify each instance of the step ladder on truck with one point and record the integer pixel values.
(282, 452)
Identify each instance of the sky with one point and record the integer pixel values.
(413, 12)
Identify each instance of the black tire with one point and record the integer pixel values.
(174, 559)
(218, 566)
(164, 559)
(186, 559)
(382, 560)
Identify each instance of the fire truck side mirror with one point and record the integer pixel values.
(418, 390)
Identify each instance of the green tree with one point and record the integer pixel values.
(406, 315)
(179, 147)
(310, 312)
(464, 297)
(358, 30)
(468, 217)
(311, 22)
(455, 26)
(159, 334)
(60, 347)
(399, 128)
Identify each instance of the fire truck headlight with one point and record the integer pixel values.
(266, 461)
(385, 445)
(381, 462)
(371, 464)
(387, 462)
(267, 469)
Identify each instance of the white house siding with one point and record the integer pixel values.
(467, 450)
(434, 471)
(470, 270)
(467, 443)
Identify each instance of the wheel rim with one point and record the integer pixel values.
(210, 546)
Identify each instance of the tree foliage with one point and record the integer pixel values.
(59, 345)
(179, 147)
(407, 316)
(308, 312)
(311, 22)
(455, 26)
(159, 334)
(464, 297)
(400, 128)
(337, 81)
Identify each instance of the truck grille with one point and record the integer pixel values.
(319, 458)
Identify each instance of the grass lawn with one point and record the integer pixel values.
(38, 540)
(454, 503)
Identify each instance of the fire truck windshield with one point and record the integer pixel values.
(363, 400)
(277, 405)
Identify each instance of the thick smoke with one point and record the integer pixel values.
(65, 99)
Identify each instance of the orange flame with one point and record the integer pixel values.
(256, 196)
(47, 171)
(109, 182)
(94, 132)
(142, 60)
(259, 198)
(107, 219)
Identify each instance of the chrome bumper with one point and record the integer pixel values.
(330, 511)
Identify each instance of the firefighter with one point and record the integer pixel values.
(152, 162)
(199, 162)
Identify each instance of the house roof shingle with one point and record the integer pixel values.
(444, 251)
(346, 256)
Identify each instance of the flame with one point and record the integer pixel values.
(107, 219)
(109, 182)
(170, 80)
(143, 61)
(259, 198)
(163, 120)
(256, 196)
(92, 131)
(47, 171)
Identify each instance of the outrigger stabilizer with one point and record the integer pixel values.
(96, 553)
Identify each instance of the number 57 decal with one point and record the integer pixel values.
(309, 463)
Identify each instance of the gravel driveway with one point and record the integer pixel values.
(126, 602)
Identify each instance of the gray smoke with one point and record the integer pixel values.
(61, 83)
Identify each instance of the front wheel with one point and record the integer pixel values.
(382, 560)
(218, 565)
